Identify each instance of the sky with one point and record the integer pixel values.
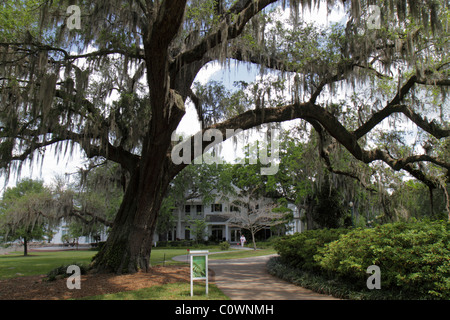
(70, 163)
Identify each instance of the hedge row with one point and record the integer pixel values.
(413, 257)
(298, 250)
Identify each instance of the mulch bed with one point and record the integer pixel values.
(37, 288)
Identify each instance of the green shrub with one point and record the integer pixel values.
(413, 257)
(61, 271)
(298, 250)
(162, 244)
(224, 245)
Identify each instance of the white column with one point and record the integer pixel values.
(179, 235)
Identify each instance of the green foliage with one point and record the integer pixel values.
(21, 209)
(329, 212)
(169, 291)
(413, 257)
(199, 180)
(40, 263)
(298, 250)
(166, 220)
(224, 245)
(414, 260)
(413, 198)
(197, 227)
(61, 271)
(24, 187)
(219, 103)
(17, 16)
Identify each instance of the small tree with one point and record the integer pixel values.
(255, 215)
(197, 227)
(23, 212)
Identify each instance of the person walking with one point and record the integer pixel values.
(243, 240)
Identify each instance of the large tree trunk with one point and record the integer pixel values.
(129, 243)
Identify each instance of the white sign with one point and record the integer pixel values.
(199, 268)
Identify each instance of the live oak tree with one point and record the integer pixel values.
(117, 87)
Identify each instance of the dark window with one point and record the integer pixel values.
(199, 209)
(187, 208)
(216, 207)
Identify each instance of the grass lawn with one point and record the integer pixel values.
(236, 254)
(172, 291)
(37, 263)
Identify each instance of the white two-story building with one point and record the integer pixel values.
(217, 216)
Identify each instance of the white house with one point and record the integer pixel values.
(217, 216)
(58, 237)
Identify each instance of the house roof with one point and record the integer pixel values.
(216, 218)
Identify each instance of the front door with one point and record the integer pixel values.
(217, 234)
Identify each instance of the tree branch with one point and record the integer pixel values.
(308, 111)
(394, 106)
(80, 215)
(324, 154)
(245, 10)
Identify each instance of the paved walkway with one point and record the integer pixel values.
(248, 279)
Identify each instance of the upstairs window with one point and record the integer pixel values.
(234, 208)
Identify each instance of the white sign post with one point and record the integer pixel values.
(199, 268)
